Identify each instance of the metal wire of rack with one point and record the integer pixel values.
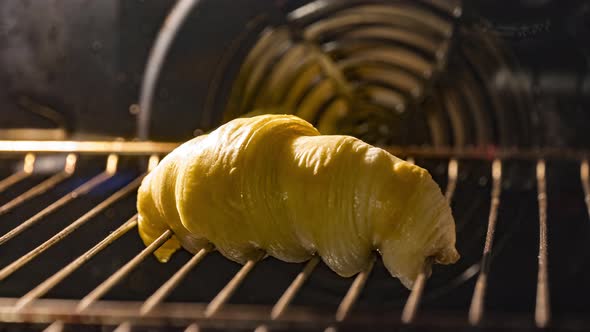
(32, 307)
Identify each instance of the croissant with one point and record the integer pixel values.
(272, 185)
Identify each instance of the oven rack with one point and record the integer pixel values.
(32, 307)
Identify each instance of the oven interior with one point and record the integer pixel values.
(490, 96)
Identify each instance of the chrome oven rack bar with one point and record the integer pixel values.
(151, 147)
(31, 307)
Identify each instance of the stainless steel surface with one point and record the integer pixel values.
(42, 187)
(413, 302)
(229, 289)
(81, 190)
(192, 328)
(101, 289)
(152, 147)
(59, 276)
(11, 268)
(99, 147)
(243, 316)
(159, 295)
(542, 308)
(169, 285)
(28, 167)
(56, 326)
(477, 302)
(354, 291)
(289, 294)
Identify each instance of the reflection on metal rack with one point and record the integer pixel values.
(110, 170)
(97, 147)
(282, 304)
(149, 147)
(55, 279)
(32, 306)
(103, 288)
(8, 270)
(229, 289)
(169, 285)
(17, 264)
(28, 167)
(42, 187)
(477, 302)
(353, 293)
(542, 310)
(160, 294)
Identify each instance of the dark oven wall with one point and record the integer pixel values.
(78, 64)
(82, 61)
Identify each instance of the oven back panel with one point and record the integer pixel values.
(80, 68)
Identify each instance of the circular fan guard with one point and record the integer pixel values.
(390, 73)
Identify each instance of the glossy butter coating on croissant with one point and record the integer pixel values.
(273, 184)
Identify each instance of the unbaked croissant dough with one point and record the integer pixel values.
(271, 184)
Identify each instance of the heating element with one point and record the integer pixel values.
(72, 186)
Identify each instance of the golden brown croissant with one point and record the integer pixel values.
(273, 184)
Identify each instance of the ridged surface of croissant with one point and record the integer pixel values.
(273, 185)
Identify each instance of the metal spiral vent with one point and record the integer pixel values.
(388, 72)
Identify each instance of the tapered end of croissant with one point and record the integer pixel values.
(407, 264)
(447, 255)
(149, 235)
(426, 232)
(151, 224)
